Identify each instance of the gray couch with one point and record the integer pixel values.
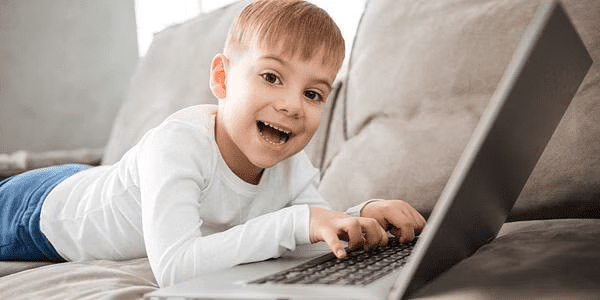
(419, 75)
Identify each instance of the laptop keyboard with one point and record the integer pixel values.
(360, 267)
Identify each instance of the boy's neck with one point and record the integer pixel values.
(248, 175)
(235, 159)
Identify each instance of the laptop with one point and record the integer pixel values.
(536, 89)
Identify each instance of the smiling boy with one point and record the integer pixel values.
(213, 186)
(270, 105)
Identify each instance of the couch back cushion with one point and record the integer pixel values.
(420, 75)
(173, 74)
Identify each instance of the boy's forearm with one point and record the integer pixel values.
(263, 237)
(357, 211)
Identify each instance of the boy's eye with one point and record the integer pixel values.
(312, 95)
(271, 78)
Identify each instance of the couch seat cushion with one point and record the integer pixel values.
(549, 259)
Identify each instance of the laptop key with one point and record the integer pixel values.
(359, 267)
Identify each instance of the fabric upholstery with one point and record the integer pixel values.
(10, 267)
(529, 260)
(98, 279)
(420, 74)
(566, 181)
(174, 74)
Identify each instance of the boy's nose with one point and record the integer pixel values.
(290, 105)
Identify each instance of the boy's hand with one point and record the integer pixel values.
(330, 227)
(397, 216)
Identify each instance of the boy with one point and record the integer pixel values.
(212, 186)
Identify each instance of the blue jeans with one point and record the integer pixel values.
(21, 200)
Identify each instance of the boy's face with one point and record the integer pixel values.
(270, 105)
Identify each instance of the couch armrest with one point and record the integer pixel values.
(21, 161)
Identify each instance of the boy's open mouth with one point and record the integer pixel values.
(272, 134)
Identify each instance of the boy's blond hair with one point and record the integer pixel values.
(299, 26)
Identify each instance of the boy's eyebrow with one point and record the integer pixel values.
(276, 58)
(285, 63)
(325, 82)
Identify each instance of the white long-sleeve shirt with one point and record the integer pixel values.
(173, 198)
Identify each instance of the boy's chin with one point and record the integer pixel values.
(267, 158)
(266, 162)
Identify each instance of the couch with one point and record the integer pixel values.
(412, 90)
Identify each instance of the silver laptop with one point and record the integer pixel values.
(536, 89)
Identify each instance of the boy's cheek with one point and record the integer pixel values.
(312, 130)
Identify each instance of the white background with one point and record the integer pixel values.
(154, 15)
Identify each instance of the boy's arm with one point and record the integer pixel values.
(171, 185)
(181, 252)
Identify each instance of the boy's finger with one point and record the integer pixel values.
(355, 235)
(404, 233)
(420, 222)
(334, 243)
(408, 220)
(375, 234)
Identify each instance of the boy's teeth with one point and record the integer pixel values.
(275, 127)
(272, 133)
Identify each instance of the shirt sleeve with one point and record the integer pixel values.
(171, 182)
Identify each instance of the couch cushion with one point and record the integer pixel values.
(97, 279)
(421, 73)
(173, 74)
(11, 267)
(549, 259)
(566, 181)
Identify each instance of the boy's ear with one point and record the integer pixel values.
(218, 75)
